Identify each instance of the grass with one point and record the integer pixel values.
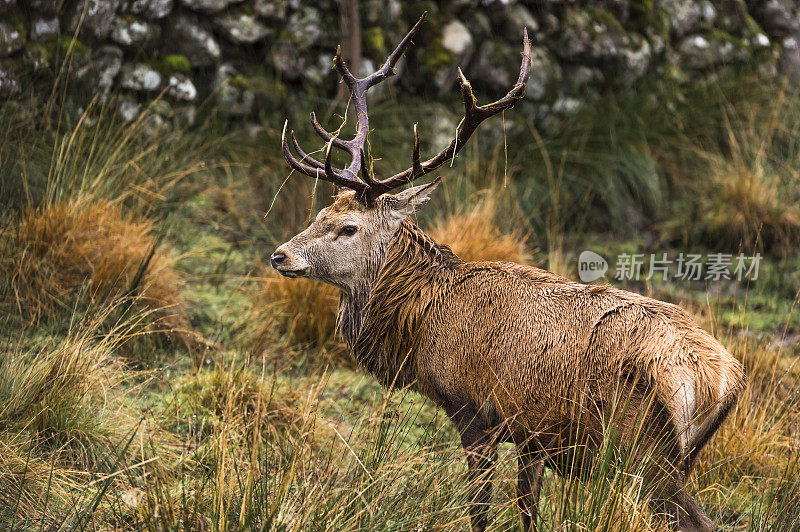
(257, 418)
(57, 251)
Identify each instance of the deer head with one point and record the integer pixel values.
(346, 241)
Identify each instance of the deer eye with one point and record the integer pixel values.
(348, 230)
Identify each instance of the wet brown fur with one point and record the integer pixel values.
(515, 352)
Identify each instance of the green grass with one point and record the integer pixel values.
(111, 421)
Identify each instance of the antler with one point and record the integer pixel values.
(474, 114)
(368, 188)
(347, 177)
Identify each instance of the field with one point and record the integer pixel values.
(156, 374)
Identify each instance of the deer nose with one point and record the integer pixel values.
(277, 259)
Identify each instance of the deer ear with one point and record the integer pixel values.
(413, 199)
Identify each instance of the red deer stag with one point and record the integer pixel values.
(510, 352)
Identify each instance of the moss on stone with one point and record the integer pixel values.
(66, 45)
(39, 55)
(246, 9)
(374, 42)
(240, 82)
(436, 56)
(172, 63)
(17, 19)
(602, 17)
(717, 34)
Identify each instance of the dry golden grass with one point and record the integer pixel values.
(59, 251)
(302, 309)
(474, 234)
(235, 393)
(747, 204)
(67, 418)
(750, 195)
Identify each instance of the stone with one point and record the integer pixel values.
(233, 92)
(149, 9)
(189, 38)
(635, 59)
(511, 19)
(12, 37)
(44, 28)
(493, 67)
(319, 70)
(684, 15)
(703, 51)
(288, 60)
(182, 88)
(592, 36)
(708, 12)
(789, 62)
(105, 65)
(44, 7)
(442, 128)
(779, 18)
(478, 25)
(545, 73)
(457, 39)
(305, 26)
(132, 32)
(566, 106)
(95, 18)
(208, 6)
(270, 9)
(129, 110)
(241, 28)
(140, 77)
(9, 80)
(578, 77)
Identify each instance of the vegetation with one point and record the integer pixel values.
(116, 239)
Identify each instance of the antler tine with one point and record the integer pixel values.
(326, 135)
(473, 116)
(294, 163)
(303, 155)
(387, 70)
(328, 174)
(416, 166)
(328, 165)
(366, 172)
(338, 62)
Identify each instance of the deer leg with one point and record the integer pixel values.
(679, 509)
(481, 451)
(529, 485)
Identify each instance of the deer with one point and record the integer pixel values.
(511, 353)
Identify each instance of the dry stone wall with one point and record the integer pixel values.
(250, 53)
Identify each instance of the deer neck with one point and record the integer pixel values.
(400, 287)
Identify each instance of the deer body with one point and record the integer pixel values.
(510, 352)
(516, 342)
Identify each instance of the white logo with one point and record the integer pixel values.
(591, 266)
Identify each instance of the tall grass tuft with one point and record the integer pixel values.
(475, 235)
(66, 420)
(58, 252)
(751, 196)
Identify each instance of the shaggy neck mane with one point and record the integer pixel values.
(380, 320)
